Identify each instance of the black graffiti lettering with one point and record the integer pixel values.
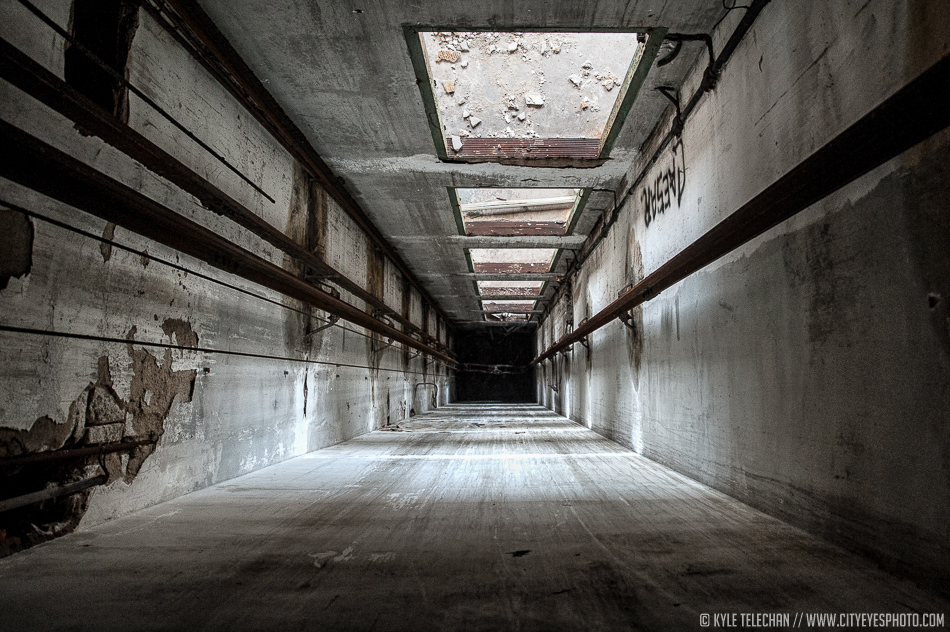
(667, 187)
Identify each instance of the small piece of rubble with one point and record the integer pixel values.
(584, 104)
(464, 64)
(474, 121)
(456, 143)
(512, 47)
(587, 65)
(464, 46)
(466, 114)
(521, 116)
(609, 85)
(450, 56)
(449, 87)
(534, 99)
(463, 133)
(576, 80)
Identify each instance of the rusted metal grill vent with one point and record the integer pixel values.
(527, 148)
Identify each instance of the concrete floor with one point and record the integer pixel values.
(477, 517)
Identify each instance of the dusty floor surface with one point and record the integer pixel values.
(478, 517)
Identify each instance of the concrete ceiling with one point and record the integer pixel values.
(341, 70)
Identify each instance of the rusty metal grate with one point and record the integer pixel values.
(527, 148)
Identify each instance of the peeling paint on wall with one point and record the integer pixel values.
(153, 389)
(98, 416)
(16, 246)
(106, 248)
(180, 332)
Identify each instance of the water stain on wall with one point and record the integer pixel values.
(634, 266)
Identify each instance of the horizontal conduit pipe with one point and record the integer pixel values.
(228, 352)
(119, 79)
(262, 105)
(710, 76)
(47, 170)
(72, 453)
(50, 90)
(912, 114)
(52, 492)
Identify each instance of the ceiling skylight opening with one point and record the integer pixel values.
(507, 317)
(512, 260)
(522, 211)
(507, 306)
(510, 288)
(494, 95)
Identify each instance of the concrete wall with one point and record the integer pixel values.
(808, 372)
(219, 414)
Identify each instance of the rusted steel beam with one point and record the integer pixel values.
(509, 297)
(513, 310)
(34, 164)
(502, 228)
(912, 114)
(514, 268)
(259, 102)
(527, 149)
(497, 276)
(47, 88)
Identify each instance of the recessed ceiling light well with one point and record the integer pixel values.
(519, 211)
(529, 95)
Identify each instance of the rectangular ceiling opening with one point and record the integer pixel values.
(509, 288)
(512, 260)
(507, 317)
(495, 95)
(521, 211)
(507, 306)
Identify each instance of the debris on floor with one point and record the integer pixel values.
(450, 56)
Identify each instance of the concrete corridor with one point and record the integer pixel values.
(475, 517)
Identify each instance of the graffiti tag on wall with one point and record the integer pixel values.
(667, 187)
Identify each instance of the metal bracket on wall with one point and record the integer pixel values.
(381, 316)
(417, 336)
(333, 319)
(627, 319)
(585, 341)
(318, 280)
